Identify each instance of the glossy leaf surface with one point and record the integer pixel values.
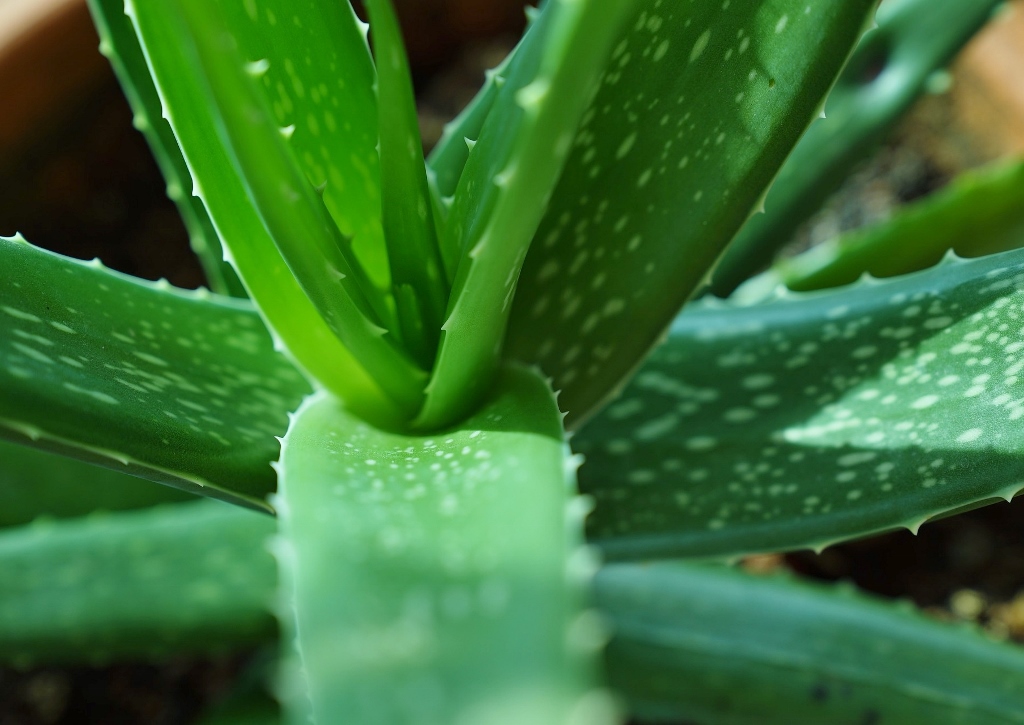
(429, 574)
(183, 388)
(183, 93)
(699, 107)
(502, 192)
(817, 417)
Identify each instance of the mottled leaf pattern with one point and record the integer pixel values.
(429, 573)
(817, 417)
(697, 110)
(183, 388)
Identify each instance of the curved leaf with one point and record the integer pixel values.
(504, 187)
(698, 109)
(718, 647)
(119, 44)
(183, 94)
(428, 574)
(186, 577)
(816, 417)
(977, 214)
(890, 69)
(182, 388)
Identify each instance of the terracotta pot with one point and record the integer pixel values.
(48, 60)
(989, 89)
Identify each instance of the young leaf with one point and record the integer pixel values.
(429, 573)
(179, 387)
(719, 647)
(119, 44)
(290, 314)
(699, 107)
(34, 484)
(417, 274)
(293, 212)
(977, 214)
(312, 61)
(816, 417)
(136, 584)
(891, 68)
(503, 190)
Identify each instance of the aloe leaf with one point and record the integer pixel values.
(448, 158)
(135, 584)
(313, 63)
(184, 96)
(119, 44)
(178, 387)
(979, 213)
(503, 190)
(35, 484)
(817, 417)
(891, 68)
(698, 109)
(719, 647)
(295, 215)
(428, 574)
(417, 271)
(688, 642)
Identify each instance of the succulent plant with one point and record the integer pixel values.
(423, 334)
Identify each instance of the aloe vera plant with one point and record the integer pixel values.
(389, 407)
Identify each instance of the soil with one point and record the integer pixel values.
(101, 195)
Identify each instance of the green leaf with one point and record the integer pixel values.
(35, 484)
(699, 108)
(816, 417)
(294, 213)
(977, 214)
(448, 158)
(503, 190)
(119, 44)
(313, 63)
(179, 387)
(718, 647)
(136, 584)
(417, 272)
(429, 573)
(891, 68)
(289, 313)
(691, 642)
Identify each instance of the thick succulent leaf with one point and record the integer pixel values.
(133, 584)
(892, 66)
(35, 484)
(719, 647)
(293, 212)
(312, 60)
(979, 213)
(696, 113)
(816, 417)
(690, 642)
(417, 272)
(182, 388)
(428, 575)
(504, 187)
(184, 96)
(119, 44)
